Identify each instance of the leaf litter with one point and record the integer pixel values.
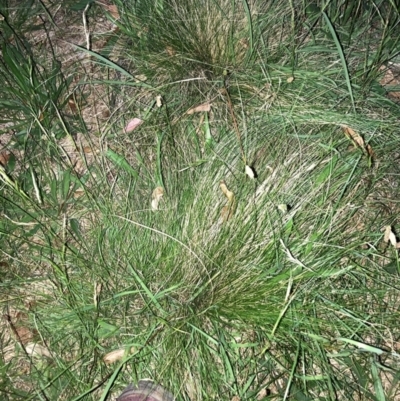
(358, 140)
(229, 209)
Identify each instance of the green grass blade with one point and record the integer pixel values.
(342, 58)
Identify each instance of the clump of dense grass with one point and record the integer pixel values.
(295, 295)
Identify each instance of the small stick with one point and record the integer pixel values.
(85, 26)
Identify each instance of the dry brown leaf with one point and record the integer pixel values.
(78, 193)
(4, 158)
(111, 8)
(390, 236)
(201, 107)
(72, 104)
(358, 140)
(24, 335)
(390, 78)
(116, 355)
(225, 190)
(114, 11)
(157, 194)
(228, 210)
(133, 124)
(369, 150)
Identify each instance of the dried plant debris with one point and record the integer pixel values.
(116, 355)
(156, 197)
(229, 209)
(250, 172)
(133, 124)
(358, 140)
(390, 236)
(198, 109)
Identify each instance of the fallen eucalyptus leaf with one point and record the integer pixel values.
(116, 355)
(201, 107)
(133, 124)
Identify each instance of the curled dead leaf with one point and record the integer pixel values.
(116, 355)
(358, 140)
(228, 210)
(369, 150)
(133, 124)
(390, 236)
(156, 197)
(226, 192)
(201, 107)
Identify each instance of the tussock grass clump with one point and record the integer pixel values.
(275, 286)
(176, 36)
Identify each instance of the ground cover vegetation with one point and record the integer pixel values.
(204, 193)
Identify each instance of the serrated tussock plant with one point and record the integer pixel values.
(277, 284)
(206, 38)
